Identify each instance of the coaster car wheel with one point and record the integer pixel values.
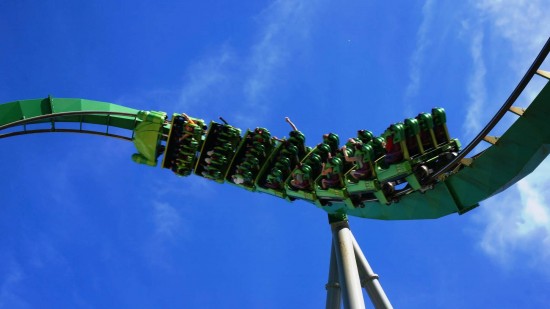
(388, 188)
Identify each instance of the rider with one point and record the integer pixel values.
(332, 170)
(362, 156)
(301, 176)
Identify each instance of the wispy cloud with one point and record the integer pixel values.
(170, 219)
(169, 227)
(206, 78)
(422, 43)
(476, 85)
(167, 220)
(517, 222)
(245, 78)
(11, 279)
(285, 24)
(523, 23)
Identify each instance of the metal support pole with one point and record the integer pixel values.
(347, 265)
(349, 270)
(334, 297)
(369, 280)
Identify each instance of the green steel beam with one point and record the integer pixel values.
(516, 154)
(145, 128)
(28, 109)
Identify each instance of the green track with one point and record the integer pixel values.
(516, 153)
(56, 111)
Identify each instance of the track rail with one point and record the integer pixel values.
(11, 134)
(63, 114)
(53, 117)
(533, 69)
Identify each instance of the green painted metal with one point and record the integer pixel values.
(29, 109)
(146, 128)
(517, 153)
(148, 136)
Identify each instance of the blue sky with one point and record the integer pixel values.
(85, 227)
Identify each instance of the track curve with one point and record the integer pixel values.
(457, 187)
(29, 116)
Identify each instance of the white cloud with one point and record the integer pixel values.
(286, 23)
(523, 22)
(170, 227)
(422, 43)
(167, 220)
(205, 78)
(476, 85)
(517, 222)
(245, 81)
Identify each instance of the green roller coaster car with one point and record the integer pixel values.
(252, 153)
(276, 171)
(336, 191)
(360, 180)
(395, 166)
(301, 183)
(271, 180)
(363, 188)
(217, 151)
(184, 141)
(303, 176)
(402, 158)
(415, 149)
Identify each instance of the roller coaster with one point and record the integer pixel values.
(414, 170)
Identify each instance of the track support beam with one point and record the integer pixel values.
(350, 271)
(517, 110)
(544, 74)
(491, 139)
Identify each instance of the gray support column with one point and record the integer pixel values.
(369, 280)
(347, 266)
(334, 298)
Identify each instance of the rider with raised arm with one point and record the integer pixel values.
(297, 138)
